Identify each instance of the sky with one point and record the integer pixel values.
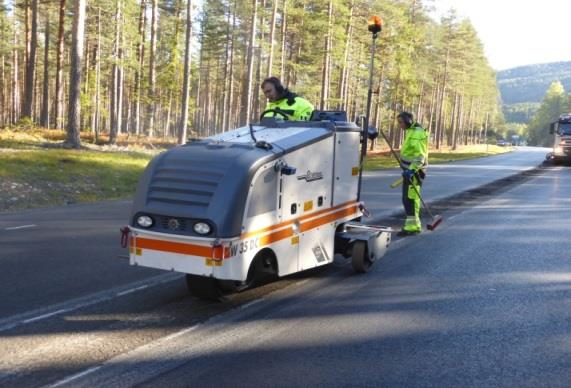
(517, 32)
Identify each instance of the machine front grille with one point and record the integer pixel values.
(184, 183)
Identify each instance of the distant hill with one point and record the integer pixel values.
(522, 88)
(529, 83)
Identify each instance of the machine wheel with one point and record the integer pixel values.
(204, 288)
(360, 258)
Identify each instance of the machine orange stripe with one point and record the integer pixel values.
(328, 219)
(286, 223)
(286, 233)
(276, 236)
(220, 252)
(185, 249)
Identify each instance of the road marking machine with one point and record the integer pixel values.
(272, 198)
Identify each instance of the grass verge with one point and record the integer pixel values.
(35, 172)
(382, 160)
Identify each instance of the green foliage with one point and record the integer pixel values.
(520, 113)
(512, 129)
(437, 70)
(555, 102)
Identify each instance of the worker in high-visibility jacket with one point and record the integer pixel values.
(414, 158)
(284, 104)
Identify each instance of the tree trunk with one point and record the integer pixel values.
(97, 59)
(152, 70)
(3, 104)
(256, 98)
(284, 35)
(120, 90)
(342, 91)
(419, 106)
(453, 122)
(167, 127)
(230, 121)
(31, 64)
(186, 83)
(198, 113)
(27, 29)
(247, 92)
(269, 69)
(15, 81)
(45, 116)
(440, 126)
(326, 61)
(431, 112)
(74, 115)
(140, 64)
(59, 67)
(225, 111)
(117, 90)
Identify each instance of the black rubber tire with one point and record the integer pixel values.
(360, 258)
(204, 288)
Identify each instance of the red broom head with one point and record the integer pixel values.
(437, 221)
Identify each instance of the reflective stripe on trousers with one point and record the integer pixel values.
(411, 203)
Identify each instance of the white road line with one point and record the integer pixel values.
(126, 292)
(149, 345)
(232, 330)
(178, 333)
(40, 317)
(74, 377)
(76, 304)
(21, 227)
(249, 304)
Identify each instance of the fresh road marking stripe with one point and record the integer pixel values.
(81, 302)
(75, 376)
(21, 227)
(132, 290)
(40, 317)
(249, 304)
(145, 346)
(178, 334)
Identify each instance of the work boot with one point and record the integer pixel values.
(407, 233)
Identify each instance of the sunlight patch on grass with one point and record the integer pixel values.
(57, 176)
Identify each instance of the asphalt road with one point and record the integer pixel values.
(67, 296)
(485, 301)
(444, 180)
(72, 252)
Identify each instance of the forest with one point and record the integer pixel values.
(555, 102)
(175, 69)
(528, 84)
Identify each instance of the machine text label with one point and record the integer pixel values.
(311, 176)
(244, 246)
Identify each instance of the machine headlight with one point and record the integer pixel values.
(202, 228)
(145, 221)
(558, 150)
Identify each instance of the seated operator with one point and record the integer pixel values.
(289, 104)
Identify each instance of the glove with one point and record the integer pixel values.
(408, 174)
